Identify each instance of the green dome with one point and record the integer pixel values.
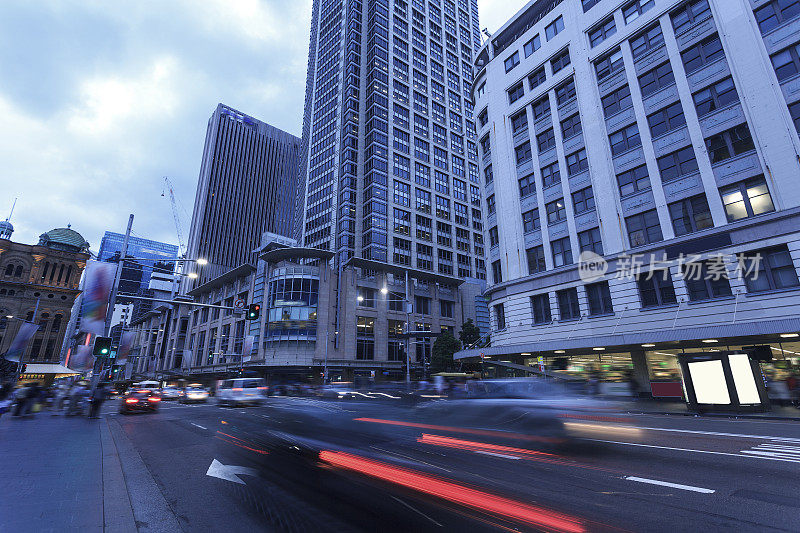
(64, 239)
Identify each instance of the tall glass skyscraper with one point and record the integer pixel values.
(136, 274)
(390, 155)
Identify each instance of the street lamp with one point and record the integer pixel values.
(202, 261)
(192, 275)
(360, 298)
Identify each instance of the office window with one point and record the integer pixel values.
(746, 199)
(562, 252)
(706, 279)
(656, 79)
(794, 111)
(530, 220)
(515, 93)
(551, 175)
(541, 107)
(446, 308)
(649, 39)
(716, 96)
(590, 241)
(768, 269)
(571, 126)
(690, 14)
(545, 141)
(366, 297)
(565, 92)
(589, 4)
(599, 298)
(497, 272)
(523, 153)
(500, 316)
(531, 46)
(776, 12)
(554, 28)
(577, 162)
(512, 61)
(690, 215)
(656, 288)
(583, 200)
(786, 62)
(625, 139)
(643, 228)
(729, 143)
(635, 9)
(490, 207)
(488, 174)
(365, 326)
(560, 61)
(536, 262)
(609, 64)
(423, 201)
(633, 181)
(602, 31)
(568, 306)
(676, 164)
(494, 236)
(527, 185)
(556, 211)
(422, 305)
(537, 78)
(402, 222)
(665, 120)
(617, 101)
(519, 122)
(540, 306)
(703, 53)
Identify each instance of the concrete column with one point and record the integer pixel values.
(640, 372)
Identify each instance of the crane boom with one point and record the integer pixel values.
(174, 205)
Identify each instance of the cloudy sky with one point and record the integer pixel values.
(99, 100)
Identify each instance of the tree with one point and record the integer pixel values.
(442, 355)
(469, 334)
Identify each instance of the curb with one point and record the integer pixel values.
(117, 508)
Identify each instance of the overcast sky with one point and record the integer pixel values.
(99, 100)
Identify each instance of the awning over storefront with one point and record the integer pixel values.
(42, 368)
(744, 332)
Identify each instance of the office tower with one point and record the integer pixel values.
(136, 274)
(661, 136)
(247, 185)
(390, 164)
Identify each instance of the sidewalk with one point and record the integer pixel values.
(656, 407)
(61, 474)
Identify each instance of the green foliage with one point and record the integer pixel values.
(442, 355)
(469, 334)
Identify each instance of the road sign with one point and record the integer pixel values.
(239, 303)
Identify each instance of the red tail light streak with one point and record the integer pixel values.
(241, 443)
(453, 429)
(454, 492)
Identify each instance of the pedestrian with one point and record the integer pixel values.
(21, 400)
(99, 395)
(6, 391)
(793, 385)
(77, 394)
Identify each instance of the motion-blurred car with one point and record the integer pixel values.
(171, 393)
(194, 394)
(242, 391)
(140, 400)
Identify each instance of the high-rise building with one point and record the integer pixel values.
(247, 185)
(136, 274)
(659, 135)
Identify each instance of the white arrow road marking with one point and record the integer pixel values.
(228, 472)
(668, 484)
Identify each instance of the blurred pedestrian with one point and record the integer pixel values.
(6, 391)
(793, 385)
(77, 395)
(99, 395)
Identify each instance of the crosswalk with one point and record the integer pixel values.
(776, 450)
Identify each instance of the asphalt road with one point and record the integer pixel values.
(297, 464)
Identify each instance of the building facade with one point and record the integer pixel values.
(654, 141)
(135, 275)
(39, 283)
(247, 185)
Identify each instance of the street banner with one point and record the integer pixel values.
(20, 342)
(97, 288)
(81, 358)
(247, 347)
(125, 346)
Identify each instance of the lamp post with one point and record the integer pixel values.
(384, 291)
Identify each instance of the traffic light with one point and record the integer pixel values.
(22, 368)
(102, 347)
(253, 312)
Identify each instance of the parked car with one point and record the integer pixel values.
(140, 400)
(242, 391)
(194, 394)
(171, 393)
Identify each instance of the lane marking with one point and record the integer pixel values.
(670, 485)
(417, 510)
(494, 454)
(720, 434)
(198, 425)
(695, 451)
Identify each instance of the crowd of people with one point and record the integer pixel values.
(69, 399)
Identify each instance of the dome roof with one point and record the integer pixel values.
(6, 229)
(64, 239)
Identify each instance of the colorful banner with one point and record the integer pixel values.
(125, 346)
(81, 358)
(247, 347)
(20, 342)
(96, 290)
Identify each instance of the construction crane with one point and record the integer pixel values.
(181, 247)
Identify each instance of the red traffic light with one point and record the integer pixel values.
(253, 311)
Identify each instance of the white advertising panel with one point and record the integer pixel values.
(743, 378)
(709, 382)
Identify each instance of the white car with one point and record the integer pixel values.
(241, 391)
(194, 394)
(171, 393)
